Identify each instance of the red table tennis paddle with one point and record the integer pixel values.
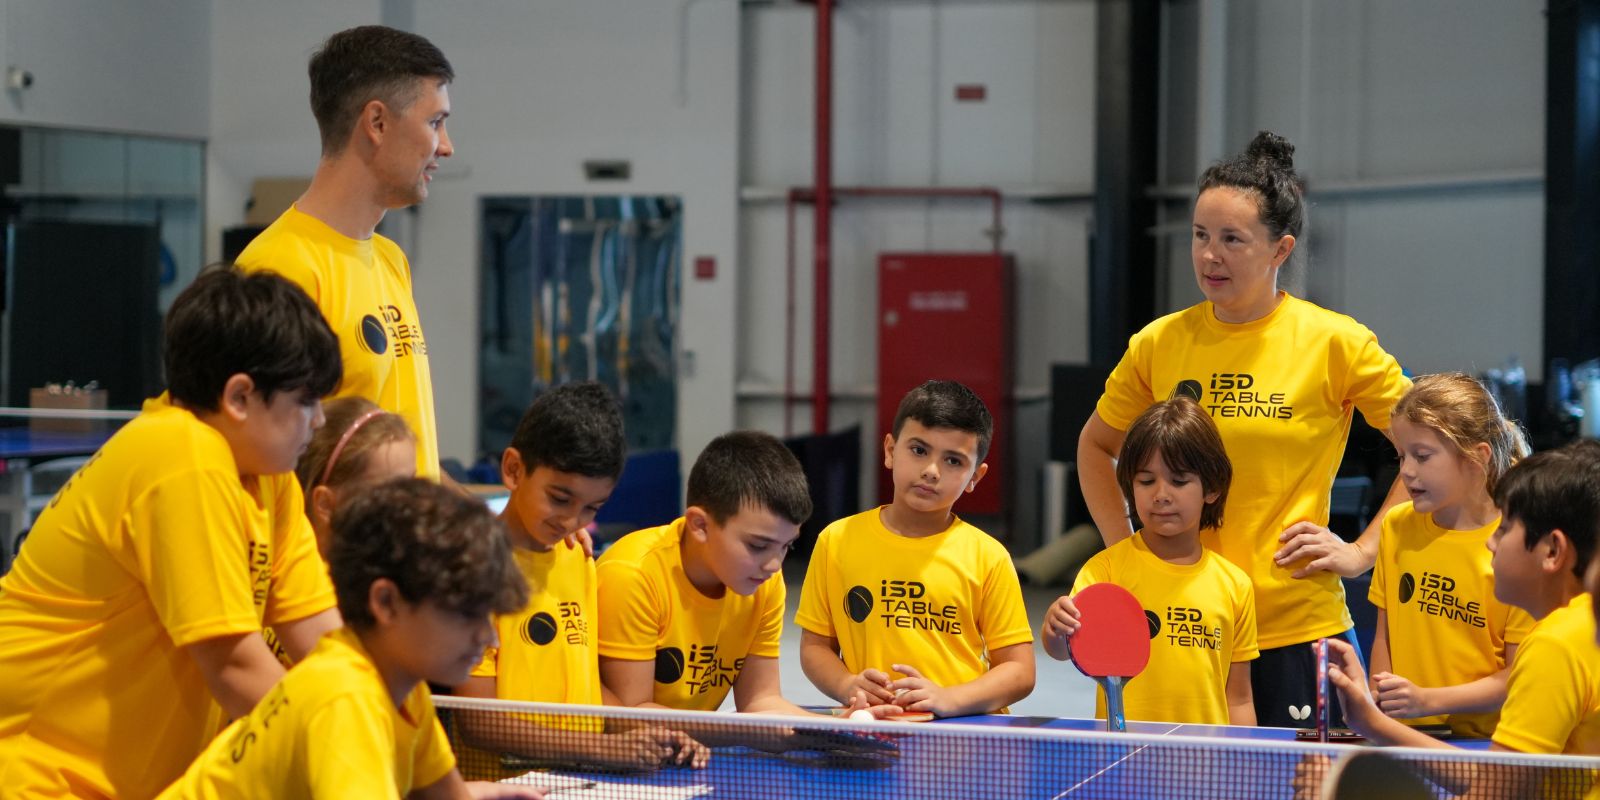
(1112, 644)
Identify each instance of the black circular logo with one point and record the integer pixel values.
(1189, 389)
(1408, 586)
(1154, 621)
(669, 665)
(858, 603)
(540, 629)
(372, 335)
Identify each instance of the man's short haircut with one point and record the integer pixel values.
(1556, 490)
(1188, 441)
(229, 322)
(359, 65)
(437, 545)
(947, 404)
(574, 428)
(748, 469)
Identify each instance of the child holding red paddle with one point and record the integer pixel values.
(1200, 609)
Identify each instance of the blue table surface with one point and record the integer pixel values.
(1000, 766)
(22, 442)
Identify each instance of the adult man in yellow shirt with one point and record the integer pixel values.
(380, 97)
(136, 608)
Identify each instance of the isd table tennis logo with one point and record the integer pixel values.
(1436, 596)
(377, 331)
(1189, 389)
(858, 603)
(1154, 621)
(700, 669)
(1186, 627)
(543, 628)
(904, 605)
(1236, 394)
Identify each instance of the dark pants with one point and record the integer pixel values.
(1285, 677)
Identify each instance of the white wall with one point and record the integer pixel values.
(261, 124)
(109, 64)
(540, 87)
(1420, 127)
(896, 122)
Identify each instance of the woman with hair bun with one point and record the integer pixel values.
(1281, 378)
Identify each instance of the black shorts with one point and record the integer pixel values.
(1285, 677)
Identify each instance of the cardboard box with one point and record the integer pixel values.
(93, 400)
(270, 197)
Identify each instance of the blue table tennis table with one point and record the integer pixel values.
(20, 449)
(999, 756)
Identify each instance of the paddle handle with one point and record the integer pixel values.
(1116, 720)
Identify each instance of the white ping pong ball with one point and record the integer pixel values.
(861, 715)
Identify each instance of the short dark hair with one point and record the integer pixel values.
(435, 544)
(1556, 490)
(947, 404)
(1188, 441)
(749, 468)
(574, 428)
(359, 65)
(229, 322)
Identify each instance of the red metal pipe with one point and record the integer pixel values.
(802, 194)
(822, 235)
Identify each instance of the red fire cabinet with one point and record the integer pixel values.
(948, 316)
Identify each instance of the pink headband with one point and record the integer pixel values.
(333, 458)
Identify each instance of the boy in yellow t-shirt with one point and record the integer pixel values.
(910, 588)
(694, 608)
(137, 606)
(1550, 512)
(563, 461)
(418, 569)
(1175, 473)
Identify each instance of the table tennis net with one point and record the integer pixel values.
(592, 752)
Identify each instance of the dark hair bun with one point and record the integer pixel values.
(1272, 150)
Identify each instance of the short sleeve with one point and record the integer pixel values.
(362, 763)
(192, 539)
(1542, 705)
(1128, 390)
(1003, 619)
(1245, 647)
(300, 583)
(1375, 382)
(815, 611)
(1518, 625)
(631, 612)
(769, 630)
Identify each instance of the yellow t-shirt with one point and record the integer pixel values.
(1553, 698)
(1445, 626)
(329, 729)
(939, 603)
(650, 610)
(154, 544)
(1281, 389)
(364, 291)
(1202, 620)
(547, 651)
